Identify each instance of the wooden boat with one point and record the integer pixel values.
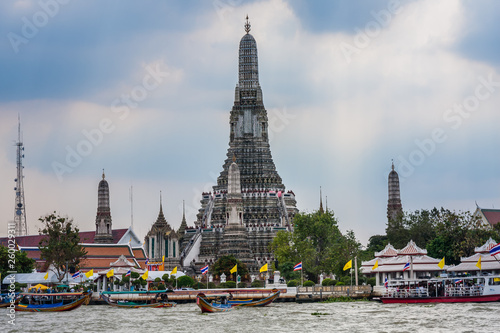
(256, 302)
(473, 289)
(36, 302)
(210, 306)
(157, 302)
(224, 302)
(5, 299)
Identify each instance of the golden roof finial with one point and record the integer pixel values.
(247, 25)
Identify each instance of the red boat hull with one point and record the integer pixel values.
(443, 299)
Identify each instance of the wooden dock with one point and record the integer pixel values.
(319, 293)
(288, 294)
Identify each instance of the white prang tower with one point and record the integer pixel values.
(20, 208)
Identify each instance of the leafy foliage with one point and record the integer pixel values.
(185, 281)
(376, 243)
(229, 284)
(61, 248)
(20, 261)
(199, 285)
(326, 282)
(442, 232)
(316, 241)
(257, 284)
(225, 263)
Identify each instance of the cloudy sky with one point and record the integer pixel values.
(143, 89)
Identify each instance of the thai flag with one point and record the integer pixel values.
(298, 267)
(147, 260)
(407, 266)
(458, 281)
(128, 273)
(77, 274)
(386, 283)
(204, 270)
(495, 249)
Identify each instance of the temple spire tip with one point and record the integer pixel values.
(247, 25)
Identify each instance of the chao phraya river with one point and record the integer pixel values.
(278, 317)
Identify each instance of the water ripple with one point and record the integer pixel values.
(279, 317)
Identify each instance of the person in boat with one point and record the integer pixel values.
(230, 296)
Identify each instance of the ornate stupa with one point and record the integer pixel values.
(103, 224)
(266, 207)
(394, 206)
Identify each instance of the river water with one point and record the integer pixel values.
(278, 317)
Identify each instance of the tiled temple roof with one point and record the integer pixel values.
(388, 251)
(412, 250)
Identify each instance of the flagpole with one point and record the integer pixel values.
(302, 275)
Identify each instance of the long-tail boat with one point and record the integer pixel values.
(36, 302)
(158, 302)
(207, 305)
(255, 302)
(224, 302)
(6, 299)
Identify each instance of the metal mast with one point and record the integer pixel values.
(20, 208)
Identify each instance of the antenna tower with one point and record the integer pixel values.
(20, 208)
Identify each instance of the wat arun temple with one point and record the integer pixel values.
(249, 204)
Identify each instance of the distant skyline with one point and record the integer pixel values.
(144, 89)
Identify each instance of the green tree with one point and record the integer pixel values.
(316, 241)
(376, 243)
(61, 247)
(225, 263)
(16, 261)
(397, 232)
(287, 271)
(442, 232)
(185, 281)
(457, 234)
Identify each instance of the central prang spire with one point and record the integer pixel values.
(248, 62)
(249, 204)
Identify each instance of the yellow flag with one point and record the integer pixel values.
(374, 266)
(263, 268)
(174, 271)
(89, 273)
(479, 262)
(46, 276)
(163, 259)
(348, 265)
(145, 275)
(441, 263)
(110, 273)
(234, 269)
